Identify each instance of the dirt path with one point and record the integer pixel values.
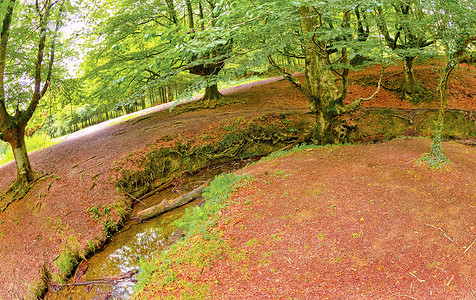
(54, 214)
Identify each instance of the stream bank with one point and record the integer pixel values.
(134, 243)
(165, 162)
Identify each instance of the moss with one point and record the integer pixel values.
(379, 124)
(384, 124)
(231, 140)
(39, 287)
(457, 124)
(68, 259)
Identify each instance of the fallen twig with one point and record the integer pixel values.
(104, 280)
(469, 246)
(420, 280)
(156, 190)
(442, 231)
(449, 281)
(469, 285)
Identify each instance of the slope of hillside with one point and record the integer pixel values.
(53, 217)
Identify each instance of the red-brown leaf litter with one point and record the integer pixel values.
(351, 222)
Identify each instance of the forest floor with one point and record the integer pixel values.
(349, 232)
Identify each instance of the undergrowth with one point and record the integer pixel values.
(201, 245)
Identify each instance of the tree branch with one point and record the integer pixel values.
(355, 105)
(7, 20)
(289, 77)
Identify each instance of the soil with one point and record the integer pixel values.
(404, 229)
(342, 222)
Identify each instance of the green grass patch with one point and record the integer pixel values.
(36, 142)
(175, 269)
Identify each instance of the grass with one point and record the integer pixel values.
(36, 142)
(236, 82)
(201, 245)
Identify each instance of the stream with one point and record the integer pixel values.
(136, 240)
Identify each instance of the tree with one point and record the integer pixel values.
(147, 45)
(406, 37)
(452, 25)
(328, 43)
(25, 29)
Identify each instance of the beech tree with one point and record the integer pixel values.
(402, 24)
(138, 46)
(27, 52)
(329, 35)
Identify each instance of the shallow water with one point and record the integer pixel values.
(121, 255)
(135, 240)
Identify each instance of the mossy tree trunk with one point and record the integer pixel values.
(212, 93)
(410, 89)
(319, 87)
(15, 136)
(325, 98)
(209, 71)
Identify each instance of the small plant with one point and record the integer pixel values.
(103, 217)
(435, 159)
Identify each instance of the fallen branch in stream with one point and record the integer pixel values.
(154, 191)
(128, 275)
(168, 205)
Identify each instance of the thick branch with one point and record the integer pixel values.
(39, 60)
(382, 26)
(355, 105)
(288, 76)
(38, 91)
(4, 116)
(168, 205)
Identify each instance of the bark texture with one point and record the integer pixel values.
(168, 205)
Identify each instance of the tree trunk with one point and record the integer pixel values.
(322, 133)
(212, 93)
(22, 162)
(319, 87)
(168, 205)
(410, 88)
(170, 93)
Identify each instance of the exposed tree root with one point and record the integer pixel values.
(18, 189)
